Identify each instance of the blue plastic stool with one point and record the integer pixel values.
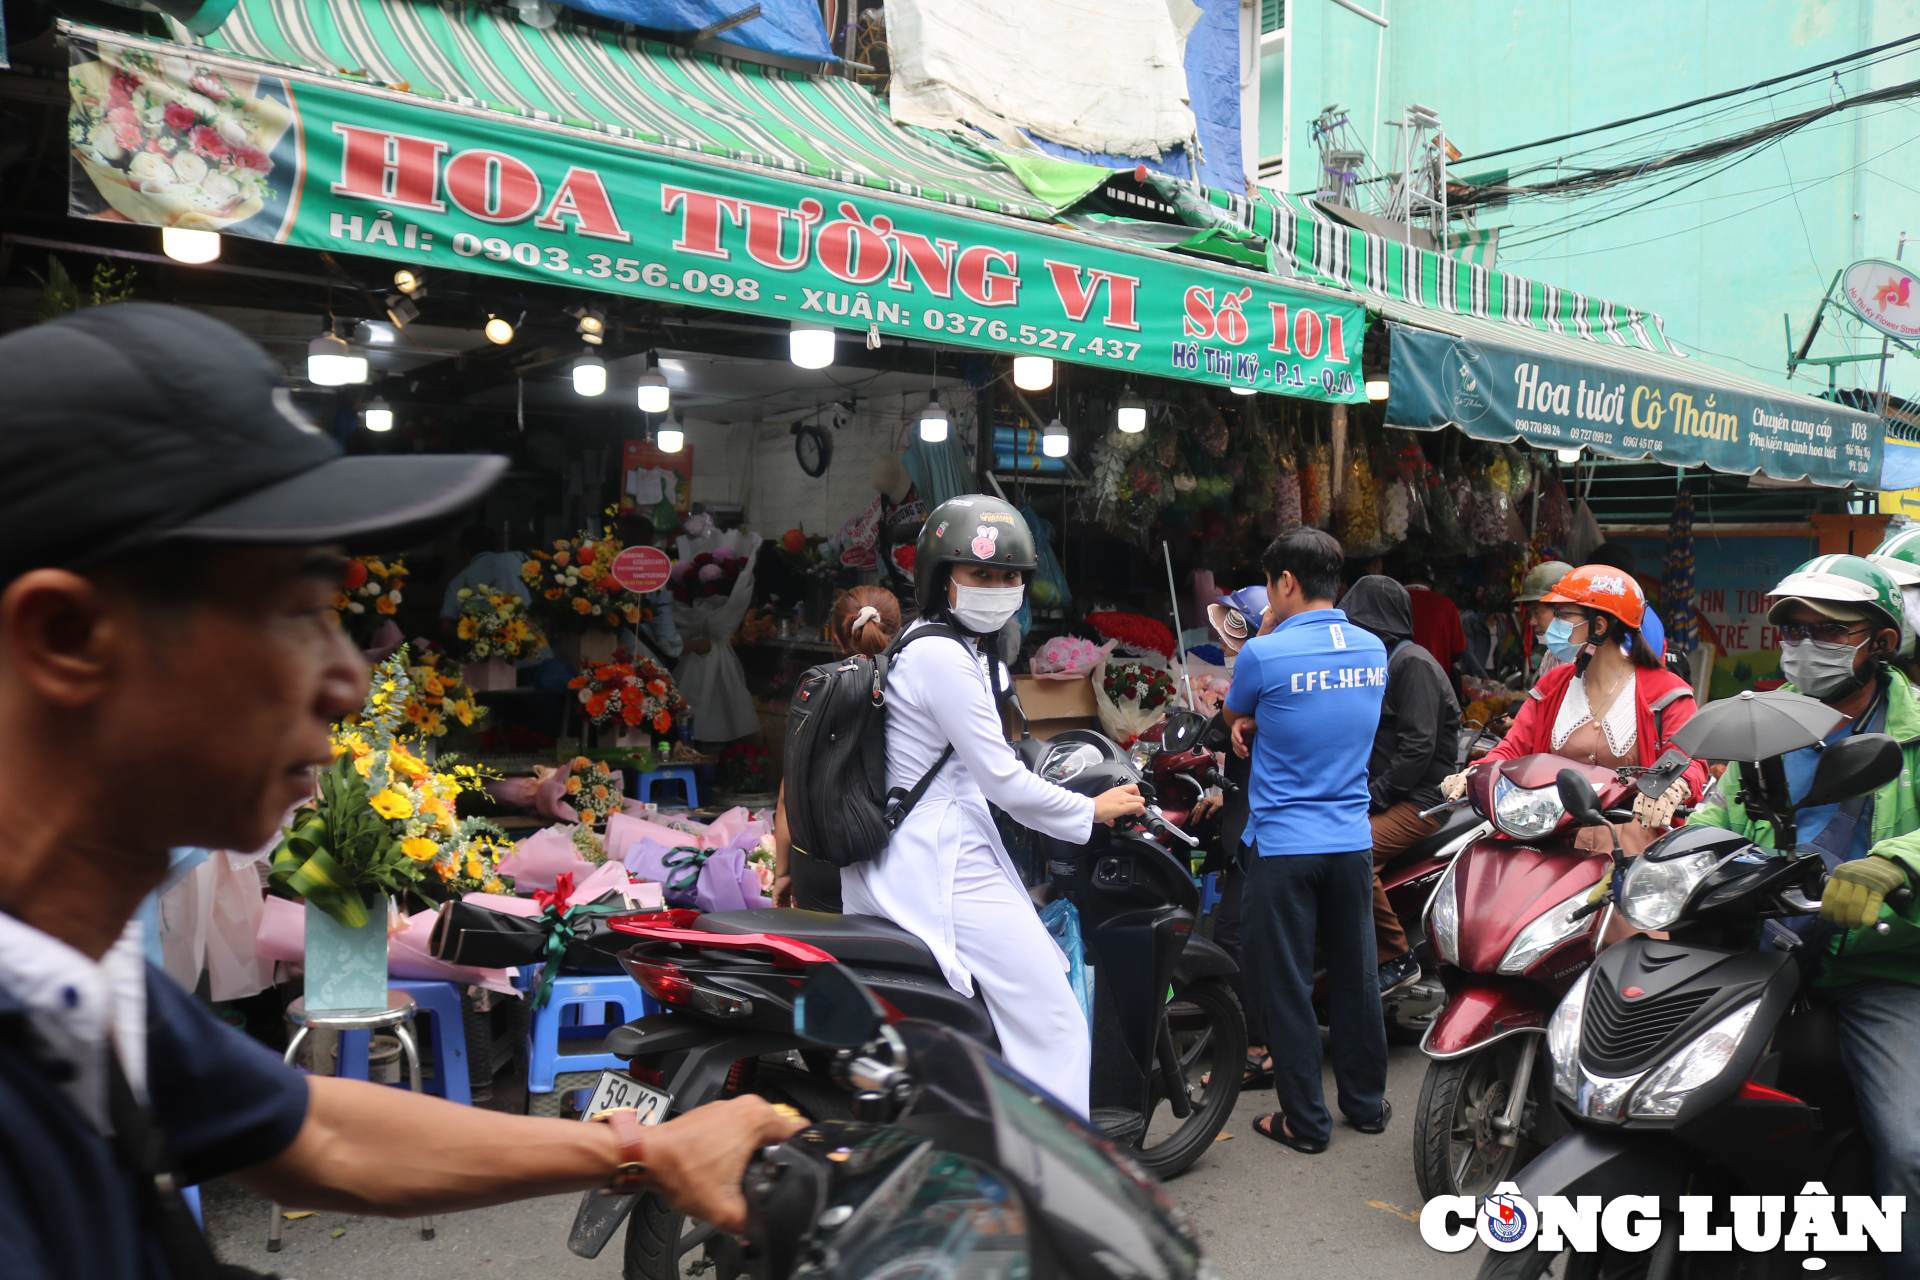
(1210, 894)
(439, 1001)
(563, 1038)
(192, 1196)
(680, 773)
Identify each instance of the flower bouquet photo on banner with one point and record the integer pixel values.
(632, 698)
(381, 819)
(498, 632)
(165, 141)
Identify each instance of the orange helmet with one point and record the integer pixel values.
(1603, 588)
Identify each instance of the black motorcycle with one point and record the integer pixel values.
(1169, 1035)
(952, 1165)
(1695, 1064)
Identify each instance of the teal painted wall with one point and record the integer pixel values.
(1720, 261)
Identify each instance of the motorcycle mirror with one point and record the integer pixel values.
(1577, 795)
(836, 1010)
(1020, 714)
(1182, 732)
(1852, 766)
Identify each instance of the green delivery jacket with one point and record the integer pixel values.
(1860, 954)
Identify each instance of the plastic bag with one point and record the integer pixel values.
(1316, 485)
(1063, 922)
(1359, 524)
(1048, 588)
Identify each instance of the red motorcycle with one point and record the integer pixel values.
(1511, 928)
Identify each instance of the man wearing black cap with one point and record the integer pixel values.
(171, 535)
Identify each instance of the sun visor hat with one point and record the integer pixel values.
(131, 425)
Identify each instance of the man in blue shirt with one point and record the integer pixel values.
(172, 532)
(1305, 703)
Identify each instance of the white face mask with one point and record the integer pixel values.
(984, 610)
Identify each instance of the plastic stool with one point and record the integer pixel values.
(192, 1196)
(614, 999)
(1210, 894)
(438, 1000)
(680, 773)
(397, 1017)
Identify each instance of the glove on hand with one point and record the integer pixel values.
(1453, 786)
(1856, 891)
(1657, 814)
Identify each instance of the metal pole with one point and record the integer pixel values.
(1173, 598)
(1899, 254)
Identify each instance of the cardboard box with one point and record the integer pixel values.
(1053, 706)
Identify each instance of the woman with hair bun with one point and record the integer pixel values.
(864, 621)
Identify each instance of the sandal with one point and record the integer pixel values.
(1256, 1074)
(1276, 1130)
(1380, 1125)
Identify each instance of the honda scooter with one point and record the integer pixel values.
(952, 1165)
(1165, 1018)
(1508, 925)
(1694, 1064)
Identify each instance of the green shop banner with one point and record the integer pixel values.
(178, 138)
(1502, 393)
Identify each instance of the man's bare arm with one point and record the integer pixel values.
(367, 1148)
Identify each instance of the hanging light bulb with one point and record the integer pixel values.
(592, 326)
(589, 375)
(1568, 454)
(355, 368)
(810, 346)
(933, 420)
(672, 437)
(1131, 414)
(1032, 373)
(407, 281)
(1377, 387)
(499, 330)
(184, 244)
(329, 361)
(652, 391)
(1054, 441)
(379, 415)
(1244, 391)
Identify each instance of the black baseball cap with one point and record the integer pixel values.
(126, 426)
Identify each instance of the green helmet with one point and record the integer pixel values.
(1899, 555)
(972, 529)
(1841, 579)
(1541, 579)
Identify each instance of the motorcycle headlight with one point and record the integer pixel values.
(1661, 1094)
(1443, 923)
(1545, 933)
(1654, 891)
(1526, 813)
(1068, 760)
(1563, 1037)
(1142, 753)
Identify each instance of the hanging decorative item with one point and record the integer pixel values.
(1213, 435)
(1556, 513)
(1316, 485)
(1358, 527)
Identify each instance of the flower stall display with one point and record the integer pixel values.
(1067, 658)
(632, 695)
(498, 632)
(592, 789)
(382, 816)
(371, 589)
(573, 586)
(746, 768)
(1134, 633)
(440, 696)
(1131, 698)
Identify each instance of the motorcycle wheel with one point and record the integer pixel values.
(1456, 1150)
(662, 1244)
(1209, 1035)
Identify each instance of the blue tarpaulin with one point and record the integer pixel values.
(1213, 88)
(789, 28)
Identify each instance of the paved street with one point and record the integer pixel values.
(1262, 1211)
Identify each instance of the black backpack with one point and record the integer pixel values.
(838, 807)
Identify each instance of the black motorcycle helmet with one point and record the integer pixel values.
(972, 529)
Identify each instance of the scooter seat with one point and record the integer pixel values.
(853, 939)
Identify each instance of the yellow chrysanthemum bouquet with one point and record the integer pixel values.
(384, 819)
(494, 624)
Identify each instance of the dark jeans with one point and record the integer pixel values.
(1299, 906)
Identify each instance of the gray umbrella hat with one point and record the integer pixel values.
(1756, 726)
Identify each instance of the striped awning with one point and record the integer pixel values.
(1315, 246)
(588, 77)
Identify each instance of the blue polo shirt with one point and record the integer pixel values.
(1314, 686)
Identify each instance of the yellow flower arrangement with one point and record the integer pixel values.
(383, 817)
(494, 624)
(576, 579)
(590, 790)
